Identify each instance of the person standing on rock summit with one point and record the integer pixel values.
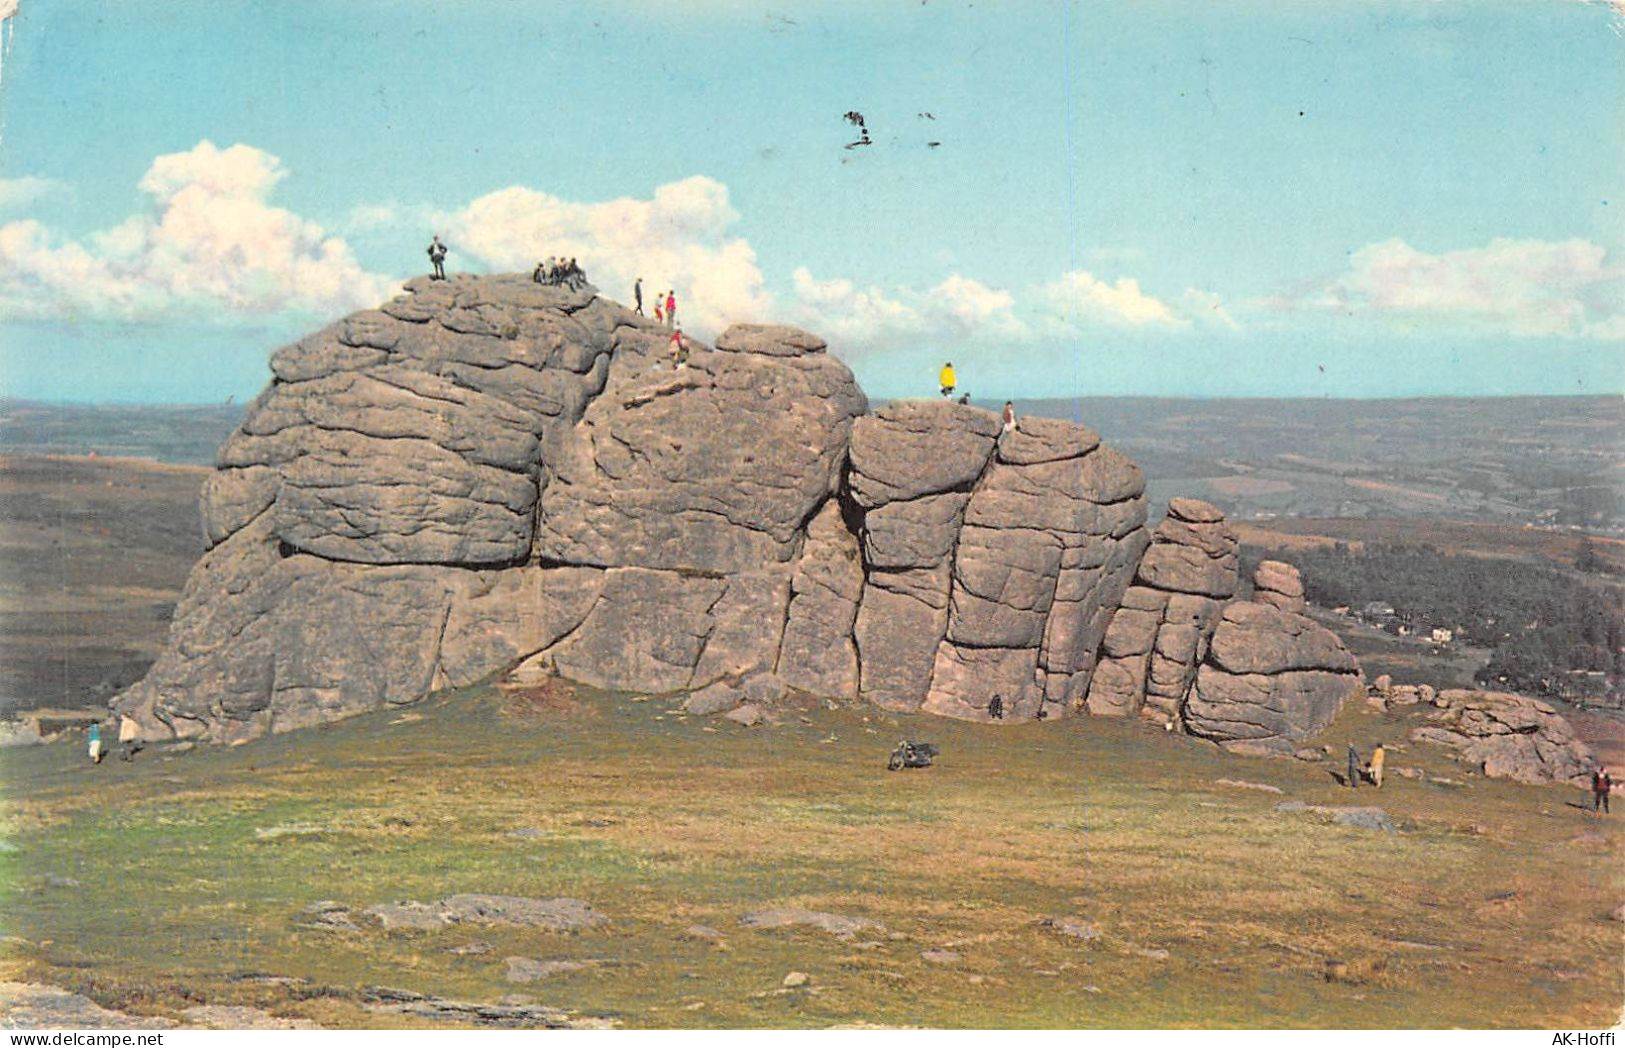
(437, 257)
(671, 309)
(947, 380)
(1009, 418)
(637, 296)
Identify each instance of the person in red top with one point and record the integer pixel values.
(1601, 784)
(671, 309)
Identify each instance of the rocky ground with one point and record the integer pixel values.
(503, 859)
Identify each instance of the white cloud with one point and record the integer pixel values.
(18, 193)
(1079, 299)
(959, 309)
(1510, 286)
(209, 248)
(679, 239)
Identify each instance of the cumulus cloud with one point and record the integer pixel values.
(680, 239)
(959, 308)
(209, 247)
(18, 193)
(1510, 286)
(963, 309)
(1079, 299)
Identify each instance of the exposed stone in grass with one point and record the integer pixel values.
(836, 924)
(1241, 784)
(477, 948)
(498, 1015)
(702, 931)
(407, 915)
(1365, 818)
(273, 833)
(30, 1006)
(794, 979)
(939, 956)
(749, 715)
(560, 914)
(240, 1017)
(528, 969)
(1071, 928)
(328, 915)
(713, 698)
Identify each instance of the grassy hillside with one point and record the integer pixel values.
(167, 882)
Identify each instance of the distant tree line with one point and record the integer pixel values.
(1550, 630)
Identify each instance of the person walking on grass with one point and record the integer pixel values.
(129, 737)
(95, 744)
(947, 380)
(1601, 784)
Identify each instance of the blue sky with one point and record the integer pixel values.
(1204, 199)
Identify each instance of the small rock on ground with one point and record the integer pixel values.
(1361, 817)
(749, 715)
(836, 924)
(1069, 927)
(560, 914)
(703, 931)
(528, 969)
(794, 979)
(1242, 784)
(939, 956)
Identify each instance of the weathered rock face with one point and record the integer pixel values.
(487, 475)
(1271, 679)
(1279, 585)
(992, 565)
(1508, 737)
(715, 468)
(1160, 635)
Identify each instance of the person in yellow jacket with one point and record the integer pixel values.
(1373, 770)
(946, 379)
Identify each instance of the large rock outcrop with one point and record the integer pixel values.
(486, 475)
(1160, 636)
(1507, 737)
(1271, 679)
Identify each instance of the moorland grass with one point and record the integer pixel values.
(169, 882)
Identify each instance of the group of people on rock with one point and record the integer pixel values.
(665, 306)
(949, 381)
(560, 272)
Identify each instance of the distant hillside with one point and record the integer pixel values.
(185, 433)
(1547, 461)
